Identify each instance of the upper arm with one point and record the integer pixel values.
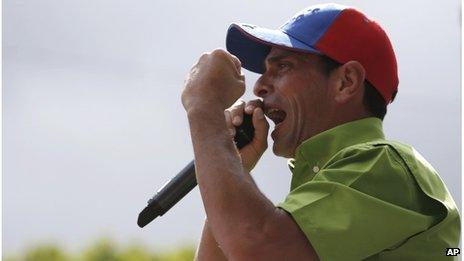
(280, 238)
(292, 242)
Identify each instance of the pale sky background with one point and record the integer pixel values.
(93, 124)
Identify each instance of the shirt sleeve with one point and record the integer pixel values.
(357, 205)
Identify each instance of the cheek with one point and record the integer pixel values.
(304, 94)
(316, 92)
(307, 105)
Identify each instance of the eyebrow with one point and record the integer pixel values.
(278, 57)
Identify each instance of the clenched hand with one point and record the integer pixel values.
(214, 83)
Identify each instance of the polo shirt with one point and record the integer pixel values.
(358, 196)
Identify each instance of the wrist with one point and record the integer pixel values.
(206, 122)
(204, 111)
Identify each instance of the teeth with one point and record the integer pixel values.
(276, 115)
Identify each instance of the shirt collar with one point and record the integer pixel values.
(317, 150)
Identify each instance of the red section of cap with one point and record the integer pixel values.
(354, 37)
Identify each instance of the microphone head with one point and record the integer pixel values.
(149, 213)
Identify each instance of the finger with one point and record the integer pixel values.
(227, 57)
(229, 124)
(238, 67)
(251, 105)
(261, 129)
(237, 63)
(236, 113)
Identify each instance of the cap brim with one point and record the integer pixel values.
(251, 44)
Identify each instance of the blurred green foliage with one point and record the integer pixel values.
(103, 250)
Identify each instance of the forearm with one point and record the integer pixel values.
(235, 207)
(208, 249)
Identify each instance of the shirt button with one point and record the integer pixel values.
(315, 169)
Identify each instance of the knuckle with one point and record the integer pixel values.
(235, 58)
(256, 102)
(239, 103)
(218, 52)
(237, 112)
(204, 55)
(250, 104)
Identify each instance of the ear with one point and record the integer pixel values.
(350, 81)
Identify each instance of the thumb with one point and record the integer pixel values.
(261, 130)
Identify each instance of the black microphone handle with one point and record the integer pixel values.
(179, 186)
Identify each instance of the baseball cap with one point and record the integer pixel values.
(339, 32)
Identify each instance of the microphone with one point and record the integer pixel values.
(179, 186)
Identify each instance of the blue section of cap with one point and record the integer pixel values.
(251, 44)
(310, 24)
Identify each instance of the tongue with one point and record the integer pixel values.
(279, 116)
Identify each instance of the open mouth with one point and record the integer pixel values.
(276, 115)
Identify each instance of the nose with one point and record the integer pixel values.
(262, 87)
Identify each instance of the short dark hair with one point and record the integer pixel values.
(372, 100)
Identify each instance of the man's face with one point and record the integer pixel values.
(295, 95)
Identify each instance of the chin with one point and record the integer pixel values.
(281, 151)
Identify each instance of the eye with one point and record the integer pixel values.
(283, 66)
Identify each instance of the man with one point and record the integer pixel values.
(327, 77)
